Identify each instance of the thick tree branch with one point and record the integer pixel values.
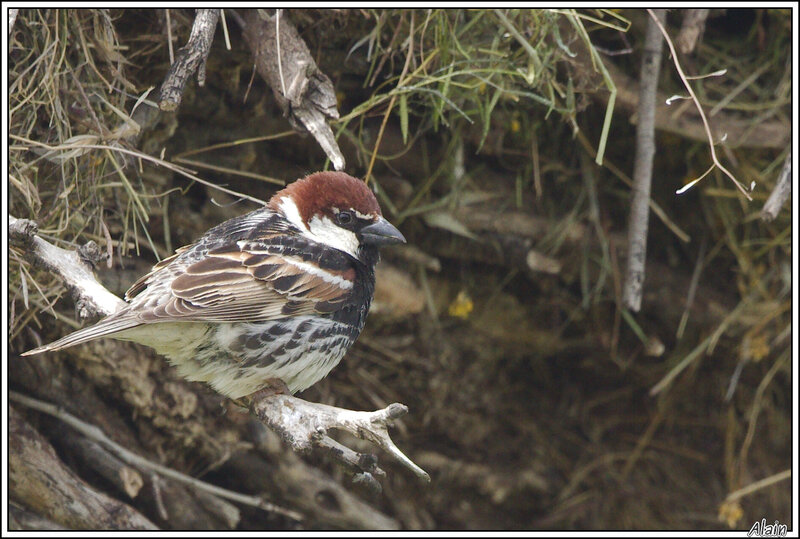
(40, 481)
(299, 422)
(191, 58)
(304, 93)
(94, 433)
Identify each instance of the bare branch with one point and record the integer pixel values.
(643, 165)
(781, 192)
(304, 93)
(191, 58)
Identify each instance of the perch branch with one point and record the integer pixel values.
(781, 192)
(301, 423)
(191, 58)
(304, 93)
(643, 165)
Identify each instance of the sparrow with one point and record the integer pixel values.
(273, 297)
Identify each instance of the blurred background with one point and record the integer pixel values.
(536, 399)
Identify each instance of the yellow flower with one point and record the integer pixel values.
(462, 306)
(730, 512)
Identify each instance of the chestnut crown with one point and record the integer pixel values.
(338, 210)
(322, 193)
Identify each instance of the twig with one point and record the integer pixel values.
(225, 29)
(192, 58)
(758, 485)
(643, 166)
(742, 131)
(169, 37)
(278, 49)
(781, 192)
(94, 433)
(698, 268)
(140, 155)
(707, 128)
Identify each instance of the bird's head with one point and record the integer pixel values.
(337, 210)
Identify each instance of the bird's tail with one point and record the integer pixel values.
(112, 324)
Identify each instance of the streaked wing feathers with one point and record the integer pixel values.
(231, 284)
(143, 281)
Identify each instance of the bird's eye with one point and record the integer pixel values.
(344, 217)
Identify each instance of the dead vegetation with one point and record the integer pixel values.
(536, 400)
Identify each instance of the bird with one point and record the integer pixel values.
(266, 301)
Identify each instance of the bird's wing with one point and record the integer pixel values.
(276, 275)
(248, 281)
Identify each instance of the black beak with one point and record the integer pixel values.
(380, 233)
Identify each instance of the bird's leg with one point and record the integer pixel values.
(273, 386)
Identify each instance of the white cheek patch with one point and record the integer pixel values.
(325, 231)
(321, 230)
